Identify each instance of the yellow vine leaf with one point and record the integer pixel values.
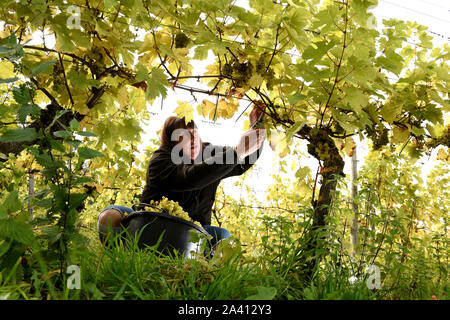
(390, 110)
(122, 96)
(206, 109)
(184, 109)
(347, 146)
(6, 69)
(226, 108)
(256, 80)
(443, 155)
(400, 135)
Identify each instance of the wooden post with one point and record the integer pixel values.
(30, 193)
(354, 193)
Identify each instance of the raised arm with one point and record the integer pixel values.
(163, 172)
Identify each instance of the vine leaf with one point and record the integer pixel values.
(157, 84)
(19, 135)
(184, 109)
(87, 153)
(400, 135)
(40, 68)
(206, 109)
(19, 231)
(295, 128)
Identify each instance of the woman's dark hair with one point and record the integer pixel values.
(170, 125)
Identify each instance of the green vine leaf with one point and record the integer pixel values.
(19, 135)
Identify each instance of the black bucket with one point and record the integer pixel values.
(174, 234)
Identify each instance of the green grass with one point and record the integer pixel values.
(118, 273)
(115, 273)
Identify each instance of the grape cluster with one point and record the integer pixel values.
(173, 208)
(227, 70)
(322, 147)
(181, 40)
(379, 136)
(240, 72)
(267, 73)
(58, 78)
(323, 150)
(319, 146)
(96, 56)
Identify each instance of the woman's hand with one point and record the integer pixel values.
(255, 114)
(249, 142)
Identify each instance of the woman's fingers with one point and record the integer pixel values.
(256, 112)
(249, 142)
(261, 135)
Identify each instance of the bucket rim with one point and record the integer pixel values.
(139, 213)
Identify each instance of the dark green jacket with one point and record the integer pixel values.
(194, 185)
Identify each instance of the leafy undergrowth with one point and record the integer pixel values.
(116, 273)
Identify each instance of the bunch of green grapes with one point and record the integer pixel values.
(263, 68)
(95, 56)
(181, 40)
(58, 78)
(379, 136)
(239, 72)
(173, 208)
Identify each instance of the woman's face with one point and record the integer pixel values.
(191, 144)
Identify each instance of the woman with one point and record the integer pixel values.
(188, 171)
